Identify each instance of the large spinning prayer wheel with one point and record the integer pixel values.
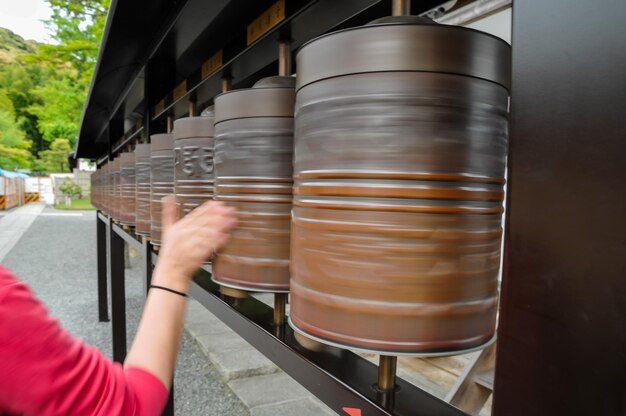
(193, 149)
(253, 172)
(142, 183)
(162, 180)
(127, 188)
(400, 151)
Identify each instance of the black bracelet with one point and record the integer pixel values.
(169, 290)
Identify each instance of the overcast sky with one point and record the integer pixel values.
(24, 17)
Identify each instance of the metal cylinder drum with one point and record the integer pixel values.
(253, 172)
(116, 190)
(108, 188)
(93, 196)
(104, 185)
(127, 189)
(400, 151)
(142, 186)
(193, 150)
(161, 180)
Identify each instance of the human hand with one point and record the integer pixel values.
(189, 242)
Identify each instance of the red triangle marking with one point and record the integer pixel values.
(352, 411)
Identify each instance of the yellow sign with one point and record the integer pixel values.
(180, 90)
(210, 65)
(158, 109)
(267, 20)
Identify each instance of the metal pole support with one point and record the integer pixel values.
(118, 293)
(101, 256)
(400, 7)
(387, 373)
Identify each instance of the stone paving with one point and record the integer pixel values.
(261, 385)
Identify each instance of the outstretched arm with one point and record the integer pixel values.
(46, 371)
(186, 245)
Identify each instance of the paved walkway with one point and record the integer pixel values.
(14, 224)
(54, 252)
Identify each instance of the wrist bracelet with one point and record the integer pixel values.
(169, 290)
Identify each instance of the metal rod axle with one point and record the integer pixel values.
(280, 308)
(400, 7)
(284, 58)
(387, 372)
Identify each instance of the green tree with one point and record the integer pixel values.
(13, 146)
(58, 115)
(71, 188)
(54, 159)
(19, 81)
(43, 87)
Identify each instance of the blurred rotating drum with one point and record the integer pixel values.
(193, 149)
(127, 188)
(142, 184)
(400, 151)
(115, 190)
(253, 172)
(161, 180)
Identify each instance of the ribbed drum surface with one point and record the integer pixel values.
(193, 149)
(127, 188)
(116, 190)
(142, 184)
(104, 188)
(253, 172)
(399, 172)
(162, 180)
(108, 188)
(95, 188)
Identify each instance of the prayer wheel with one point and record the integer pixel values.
(93, 196)
(142, 184)
(400, 152)
(193, 149)
(161, 180)
(115, 191)
(105, 188)
(253, 172)
(127, 189)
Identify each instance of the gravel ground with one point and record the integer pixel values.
(56, 257)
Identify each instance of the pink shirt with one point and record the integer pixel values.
(45, 371)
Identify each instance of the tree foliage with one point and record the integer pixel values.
(71, 188)
(43, 87)
(55, 158)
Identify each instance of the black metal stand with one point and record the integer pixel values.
(118, 293)
(101, 247)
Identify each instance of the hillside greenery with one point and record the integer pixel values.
(43, 86)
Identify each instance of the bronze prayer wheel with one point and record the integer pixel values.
(142, 184)
(193, 150)
(108, 188)
(127, 188)
(104, 185)
(253, 172)
(400, 152)
(116, 190)
(161, 181)
(93, 195)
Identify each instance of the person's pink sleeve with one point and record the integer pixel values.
(46, 371)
